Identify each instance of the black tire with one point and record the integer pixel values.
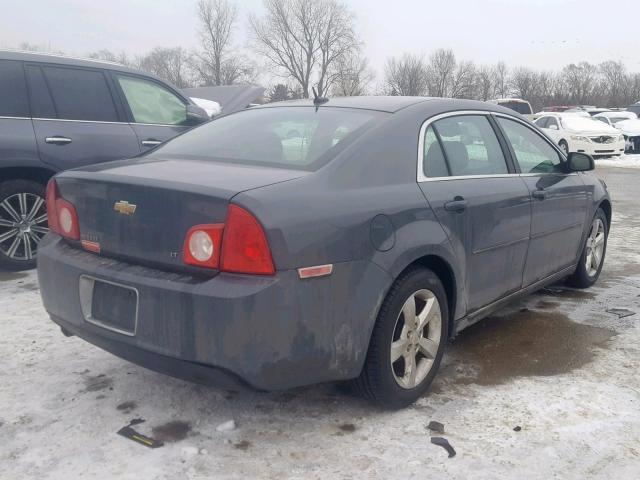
(564, 146)
(377, 381)
(582, 278)
(8, 190)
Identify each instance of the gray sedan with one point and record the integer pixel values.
(303, 242)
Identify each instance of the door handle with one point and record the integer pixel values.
(150, 142)
(57, 140)
(539, 194)
(458, 204)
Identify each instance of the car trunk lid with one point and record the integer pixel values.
(141, 210)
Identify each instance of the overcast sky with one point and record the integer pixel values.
(537, 33)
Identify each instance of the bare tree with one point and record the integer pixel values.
(216, 63)
(501, 80)
(464, 80)
(614, 82)
(485, 85)
(352, 76)
(304, 40)
(170, 64)
(109, 56)
(407, 75)
(442, 66)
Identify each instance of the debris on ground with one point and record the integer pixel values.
(444, 443)
(436, 426)
(131, 434)
(621, 312)
(517, 428)
(227, 426)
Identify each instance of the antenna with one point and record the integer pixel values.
(317, 101)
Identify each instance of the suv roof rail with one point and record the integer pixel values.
(60, 55)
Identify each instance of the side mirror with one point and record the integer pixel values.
(553, 127)
(196, 115)
(580, 162)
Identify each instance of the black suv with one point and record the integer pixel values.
(58, 113)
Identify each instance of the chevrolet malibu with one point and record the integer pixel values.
(317, 241)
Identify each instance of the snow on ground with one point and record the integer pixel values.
(625, 161)
(557, 365)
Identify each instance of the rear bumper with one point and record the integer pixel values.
(266, 332)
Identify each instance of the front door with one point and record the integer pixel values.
(75, 118)
(482, 204)
(157, 114)
(558, 202)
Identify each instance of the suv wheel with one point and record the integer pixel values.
(23, 223)
(407, 342)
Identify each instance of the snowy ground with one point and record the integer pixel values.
(624, 161)
(557, 365)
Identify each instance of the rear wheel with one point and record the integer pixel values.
(407, 342)
(23, 223)
(592, 258)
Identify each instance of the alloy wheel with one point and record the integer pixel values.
(23, 223)
(416, 338)
(595, 247)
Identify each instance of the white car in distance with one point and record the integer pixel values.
(574, 133)
(612, 118)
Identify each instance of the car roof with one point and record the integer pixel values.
(54, 58)
(615, 113)
(385, 104)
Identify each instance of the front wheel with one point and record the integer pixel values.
(592, 257)
(564, 147)
(408, 341)
(23, 223)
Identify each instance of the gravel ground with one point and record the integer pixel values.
(546, 389)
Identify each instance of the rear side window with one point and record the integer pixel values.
(292, 137)
(80, 94)
(434, 164)
(13, 91)
(151, 103)
(470, 146)
(533, 153)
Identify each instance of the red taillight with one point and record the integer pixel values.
(202, 245)
(61, 214)
(237, 246)
(244, 245)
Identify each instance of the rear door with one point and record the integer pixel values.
(479, 199)
(75, 117)
(558, 201)
(156, 112)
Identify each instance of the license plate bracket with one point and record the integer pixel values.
(109, 305)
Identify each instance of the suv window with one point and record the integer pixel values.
(80, 94)
(13, 92)
(151, 103)
(434, 164)
(470, 145)
(533, 153)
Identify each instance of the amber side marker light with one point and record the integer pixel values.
(317, 271)
(90, 246)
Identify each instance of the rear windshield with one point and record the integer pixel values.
(520, 107)
(292, 137)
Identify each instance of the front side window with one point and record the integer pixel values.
(151, 103)
(470, 146)
(552, 123)
(80, 94)
(542, 122)
(13, 91)
(533, 153)
(293, 137)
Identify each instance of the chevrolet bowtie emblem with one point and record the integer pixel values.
(124, 207)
